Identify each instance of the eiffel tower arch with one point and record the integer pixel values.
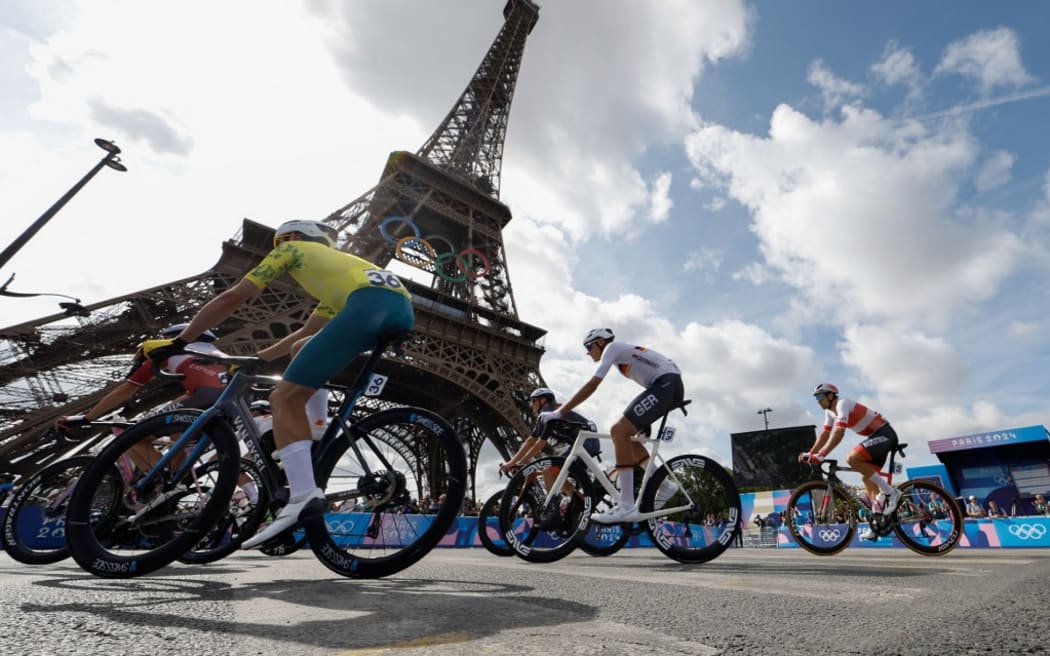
(434, 215)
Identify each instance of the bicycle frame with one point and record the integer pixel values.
(232, 407)
(655, 461)
(834, 481)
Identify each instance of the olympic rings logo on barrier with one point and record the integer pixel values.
(343, 526)
(1028, 531)
(418, 251)
(828, 535)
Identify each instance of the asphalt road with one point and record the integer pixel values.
(456, 601)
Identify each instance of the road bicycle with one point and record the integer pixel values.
(370, 462)
(822, 515)
(599, 540)
(674, 499)
(33, 526)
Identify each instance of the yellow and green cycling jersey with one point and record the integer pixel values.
(325, 273)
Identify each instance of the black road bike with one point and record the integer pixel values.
(371, 461)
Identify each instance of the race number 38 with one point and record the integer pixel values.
(382, 278)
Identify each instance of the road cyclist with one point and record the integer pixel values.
(361, 308)
(822, 516)
(675, 495)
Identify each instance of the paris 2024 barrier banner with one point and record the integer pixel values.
(1018, 532)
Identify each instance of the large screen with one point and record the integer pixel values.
(768, 459)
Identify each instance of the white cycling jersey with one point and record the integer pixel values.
(638, 363)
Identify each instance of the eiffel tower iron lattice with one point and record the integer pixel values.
(434, 215)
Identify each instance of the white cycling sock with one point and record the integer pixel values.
(881, 483)
(317, 412)
(299, 467)
(626, 479)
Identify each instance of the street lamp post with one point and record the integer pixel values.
(765, 412)
(111, 160)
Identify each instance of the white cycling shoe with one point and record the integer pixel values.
(868, 534)
(617, 515)
(288, 517)
(892, 500)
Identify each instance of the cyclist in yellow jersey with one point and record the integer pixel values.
(358, 301)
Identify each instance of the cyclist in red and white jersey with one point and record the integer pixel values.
(662, 381)
(869, 456)
(202, 382)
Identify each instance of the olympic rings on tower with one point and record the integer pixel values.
(418, 251)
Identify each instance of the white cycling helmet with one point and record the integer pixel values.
(310, 231)
(540, 392)
(174, 329)
(825, 388)
(598, 333)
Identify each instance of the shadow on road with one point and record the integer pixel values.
(340, 613)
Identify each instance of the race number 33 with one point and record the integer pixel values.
(382, 278)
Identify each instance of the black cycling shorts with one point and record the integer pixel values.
(666, 393)
(878, 446)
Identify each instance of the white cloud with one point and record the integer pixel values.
(995, 171)
(715, 204)
(907, 370)
(705, 258)
(1023, 328)
(898, 66)
(991, 57)
(860, 213)
(1041, 211)
(754, 273)
(835, 90)
(660, 202)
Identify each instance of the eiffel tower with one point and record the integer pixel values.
(435, 214)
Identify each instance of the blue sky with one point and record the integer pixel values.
(774, 194)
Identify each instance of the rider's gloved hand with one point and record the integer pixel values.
(813, 458)
(544, 417)
(162, 349)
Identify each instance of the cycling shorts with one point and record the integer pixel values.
(661, 397)
(368, 313)
(878, 446)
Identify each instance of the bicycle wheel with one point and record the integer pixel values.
(605, 539)
(160, 519)
(389, 459)
(929, 520)
(238, 522)
(822, 524)
(539, 533)
(699, 482)
(488, 531)
(34, 526)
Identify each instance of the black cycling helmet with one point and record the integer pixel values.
(174, 329)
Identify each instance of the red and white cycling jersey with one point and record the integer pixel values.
(856, 416)
(196, 373)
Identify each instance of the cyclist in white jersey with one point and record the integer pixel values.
(868, 457)
(662, 381)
